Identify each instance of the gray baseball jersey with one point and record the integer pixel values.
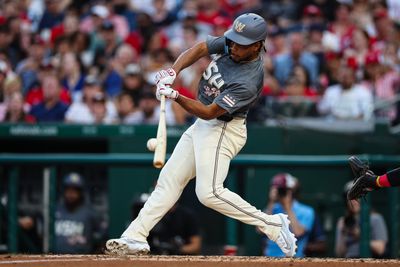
(232, 86)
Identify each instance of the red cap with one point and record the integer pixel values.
(372, 58)
(283, 180)
(380, 13)
(351, 62)
(311, 10)
(222, 21)
(36, 39)
(330, 55)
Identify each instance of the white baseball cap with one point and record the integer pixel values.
(101, 11)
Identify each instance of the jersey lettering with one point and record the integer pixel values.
(212, 75)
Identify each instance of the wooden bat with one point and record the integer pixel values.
(161, 147)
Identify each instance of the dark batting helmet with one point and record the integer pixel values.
(247, 29)
(73, 180)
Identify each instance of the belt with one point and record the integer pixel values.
(225, 117)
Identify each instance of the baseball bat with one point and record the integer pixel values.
(161, 147)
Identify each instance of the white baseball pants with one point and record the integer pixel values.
(205, 151)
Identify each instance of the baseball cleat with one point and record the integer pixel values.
(286, 239)
(126, 246)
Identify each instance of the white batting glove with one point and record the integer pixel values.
(167, 91)
(165, 77)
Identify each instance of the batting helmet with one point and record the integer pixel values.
(247, 29)
(73, 180)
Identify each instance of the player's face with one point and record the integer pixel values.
(240, 53)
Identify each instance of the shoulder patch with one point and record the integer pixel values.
(229, 100)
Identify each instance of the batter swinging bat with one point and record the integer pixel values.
(159, 154)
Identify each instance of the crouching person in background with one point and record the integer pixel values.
(348, 231)
(77, 229)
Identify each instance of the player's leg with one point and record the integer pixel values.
(215, 144)
(173, 178)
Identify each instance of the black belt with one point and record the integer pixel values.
(225, 117)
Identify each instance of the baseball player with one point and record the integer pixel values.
(366, 181)
(228, 87)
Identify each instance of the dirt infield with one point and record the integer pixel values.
(180, 261)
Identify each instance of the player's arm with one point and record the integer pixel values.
(205, 112)
(190, 56)
(187, 58)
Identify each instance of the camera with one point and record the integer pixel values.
(282, 191)
(349, 221)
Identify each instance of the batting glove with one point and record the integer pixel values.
(167, 91)
(165, 77)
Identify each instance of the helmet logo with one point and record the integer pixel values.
(239, 26)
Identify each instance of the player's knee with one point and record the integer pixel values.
(205, 196)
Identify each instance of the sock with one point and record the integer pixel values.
(382, 181)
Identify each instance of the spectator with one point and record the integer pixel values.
(72, 74)
(107, 51)
(68, 28)
(315, 45)
(177, 233)
(149, 105)
(360, 46)
(128, 112)
(15, 109)
(98, 109)
(317, 243)
(81, 111)
(5, 44)
(284, 63)
(276, 44)
(382, 81)
(346, 100)
(122, 8)
(28, 68)
(77, 228)
(3, 77)
(29, 228)
(385, 31)
(297, 100)
(124, 56)
(52, 16)
(312, 15)
(51, 109)
(35, 94)
(134, 82)
(361, 14)
(348, 231)
(151, 110)
(342, 27)
(160, 14)
(101, 13)
(282, 199)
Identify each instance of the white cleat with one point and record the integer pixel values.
(126, 246)
(286, 240)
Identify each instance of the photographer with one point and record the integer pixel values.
(348, 231)
(283, 199)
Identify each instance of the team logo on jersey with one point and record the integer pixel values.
(229, 100)
(239, 26)
(211, 91)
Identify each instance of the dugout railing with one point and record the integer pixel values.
(17, 161)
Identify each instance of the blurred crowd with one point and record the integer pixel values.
(93, 62)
